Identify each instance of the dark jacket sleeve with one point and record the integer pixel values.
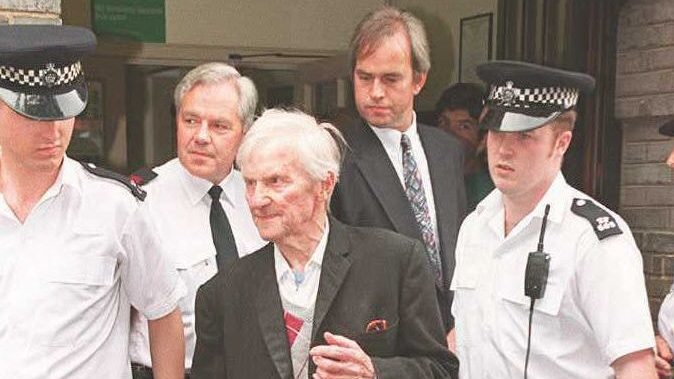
(422, 350)
(209, 354)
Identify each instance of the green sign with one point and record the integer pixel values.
(139, 20)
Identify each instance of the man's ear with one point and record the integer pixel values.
(419, 80)
(563, 142)
(328, 185)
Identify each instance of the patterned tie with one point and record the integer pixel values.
(414, 190)
(221, 230)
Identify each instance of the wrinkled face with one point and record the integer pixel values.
(385, 84)
(209, 130)
(464, 127)
(36, 145)
(284, 200)
(524, 164)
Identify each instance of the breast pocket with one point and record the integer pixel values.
(514, 319)
(381, 343)
(76, 289)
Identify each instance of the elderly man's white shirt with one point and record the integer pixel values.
(595, 307)
(179, 208)
(69, 274)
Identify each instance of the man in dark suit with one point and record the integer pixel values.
(400, 175)
(322, 298)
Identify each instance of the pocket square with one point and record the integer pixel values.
(376, 325)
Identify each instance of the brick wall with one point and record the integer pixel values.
(644, 101)
(30, 12)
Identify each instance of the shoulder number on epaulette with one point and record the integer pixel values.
(602, 222)
(143, 176)
(138, 192)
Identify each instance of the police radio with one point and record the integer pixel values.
(535, 280)
(538, 265)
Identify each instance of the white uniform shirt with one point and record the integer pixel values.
(390, 139)
(69, 274)
(594, 310)
(179, 207)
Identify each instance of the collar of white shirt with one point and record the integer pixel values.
(556, 195)
(196, 188)
(390, 138)
(302, 293)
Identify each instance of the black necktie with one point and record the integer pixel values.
(223, 238)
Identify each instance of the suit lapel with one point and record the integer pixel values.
(376, 167)
(270, 315)
(442, 185)
(334, 268)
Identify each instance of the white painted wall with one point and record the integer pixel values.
(442, 19)
(290, 24)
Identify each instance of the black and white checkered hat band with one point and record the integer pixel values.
(508, 96)
(48, 76)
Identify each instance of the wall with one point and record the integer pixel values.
(30, 12)
(645, 100)
(443, 20)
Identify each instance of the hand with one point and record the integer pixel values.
(341, 358)
(451, 341)
(662, 358)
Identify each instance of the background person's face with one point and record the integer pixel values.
(35, 145)
(385, 84)
(460, 124)
(209, 130)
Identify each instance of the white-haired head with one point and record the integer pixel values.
(214, 73)
(318, 147)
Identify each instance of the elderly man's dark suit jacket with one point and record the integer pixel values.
(367, 274)
(369, 193)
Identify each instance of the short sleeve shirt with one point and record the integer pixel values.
(179, 206)
(69, 275)
(594, 310)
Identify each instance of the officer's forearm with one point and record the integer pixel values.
(167, 346)
(637, 365)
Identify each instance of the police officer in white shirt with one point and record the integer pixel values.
(665, 340)
(215, 105)
(539, 259)
(76, 248)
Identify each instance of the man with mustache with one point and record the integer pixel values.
(77, 250)
(400, 175)
(548, 282)
(197, 200)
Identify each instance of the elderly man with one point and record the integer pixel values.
(537, 252)
(400, 175)
(323, 298)
(197, 200)
(77, 250)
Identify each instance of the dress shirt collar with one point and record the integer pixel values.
(283, 268)
(556, 196)
(67, 177)
(390, 138)
(197, 187)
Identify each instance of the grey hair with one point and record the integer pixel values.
(386, 22)
(214, 73)
(318, 146)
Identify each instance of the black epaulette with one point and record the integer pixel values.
(143, 176)
(602, 222)
(138, 192)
